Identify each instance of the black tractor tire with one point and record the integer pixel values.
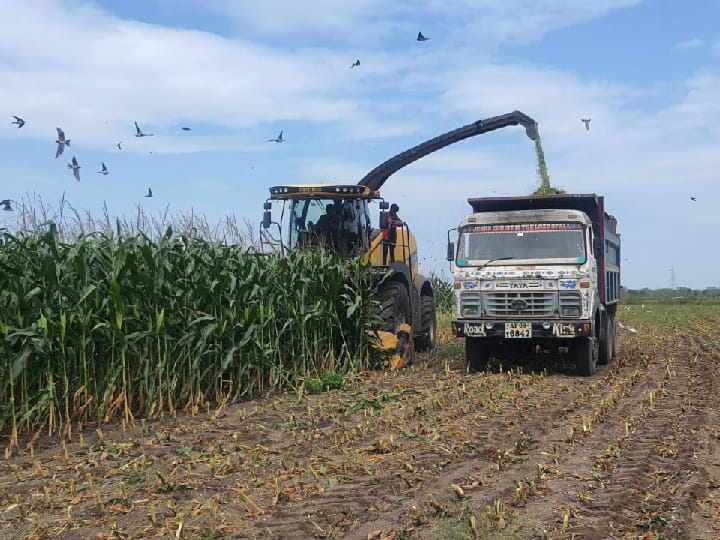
(395, 302)
(585, 351)
(427, 339)
(477, 354)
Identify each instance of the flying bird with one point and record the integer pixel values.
(279, 138)
(186, 129)
(104, 169)
(119, 145)
(75, 168)
(19, 121)
(421, 37)
(693, 199)
(139, 132)
(61, 142)
(149, 193)
(356, 63)
(586, 121)
(6, 205)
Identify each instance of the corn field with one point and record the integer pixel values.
(112, 325)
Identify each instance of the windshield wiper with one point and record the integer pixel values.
(493, 260)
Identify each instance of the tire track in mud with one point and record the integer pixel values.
(545, 433)
(556, 404)
(650, 466)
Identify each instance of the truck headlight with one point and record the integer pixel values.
(571, 312)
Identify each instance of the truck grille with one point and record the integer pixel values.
(527, 304)
(469, 304)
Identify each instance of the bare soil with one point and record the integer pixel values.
(430, 451)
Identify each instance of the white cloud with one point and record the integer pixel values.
(688, 44)
(80, 66)
(368, 21)
(74, 65)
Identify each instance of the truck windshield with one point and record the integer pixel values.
(525, 243)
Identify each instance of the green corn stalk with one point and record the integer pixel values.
(162, 321)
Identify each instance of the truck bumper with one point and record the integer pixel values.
(509, 329)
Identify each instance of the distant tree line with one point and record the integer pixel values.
(679, 295)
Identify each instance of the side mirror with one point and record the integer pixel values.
(384, 205)
(267, 205)
(451, 251)
(267, 218)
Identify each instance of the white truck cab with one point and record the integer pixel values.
(531, 274)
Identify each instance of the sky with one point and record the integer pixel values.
(647, 73)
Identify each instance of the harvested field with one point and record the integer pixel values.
(426, 452)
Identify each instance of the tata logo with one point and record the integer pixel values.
(518, 285)
(518, 304)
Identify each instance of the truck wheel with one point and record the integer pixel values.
(613, 330)
(395, 306)
(606, 337)
(586, 354)
(477, 354)
(428, 325)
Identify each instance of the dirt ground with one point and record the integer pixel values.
(426, 452)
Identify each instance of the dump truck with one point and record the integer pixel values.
(537, 275)
(338, 217)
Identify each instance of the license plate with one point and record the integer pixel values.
(518, 330)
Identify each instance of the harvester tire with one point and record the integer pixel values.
(395, 306)
(427, 339)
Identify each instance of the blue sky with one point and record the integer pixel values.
(646, 72)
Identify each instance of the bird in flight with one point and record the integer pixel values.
(104, 169)
(356, 63)
(139, 132)
(586, 121)
(6, 205)
(119, 145)
(149, 193)
(693, 199)
(186, 129)
(19, 121)
(278, 139)
(75, 168)
(61, 142)
(421, 37)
